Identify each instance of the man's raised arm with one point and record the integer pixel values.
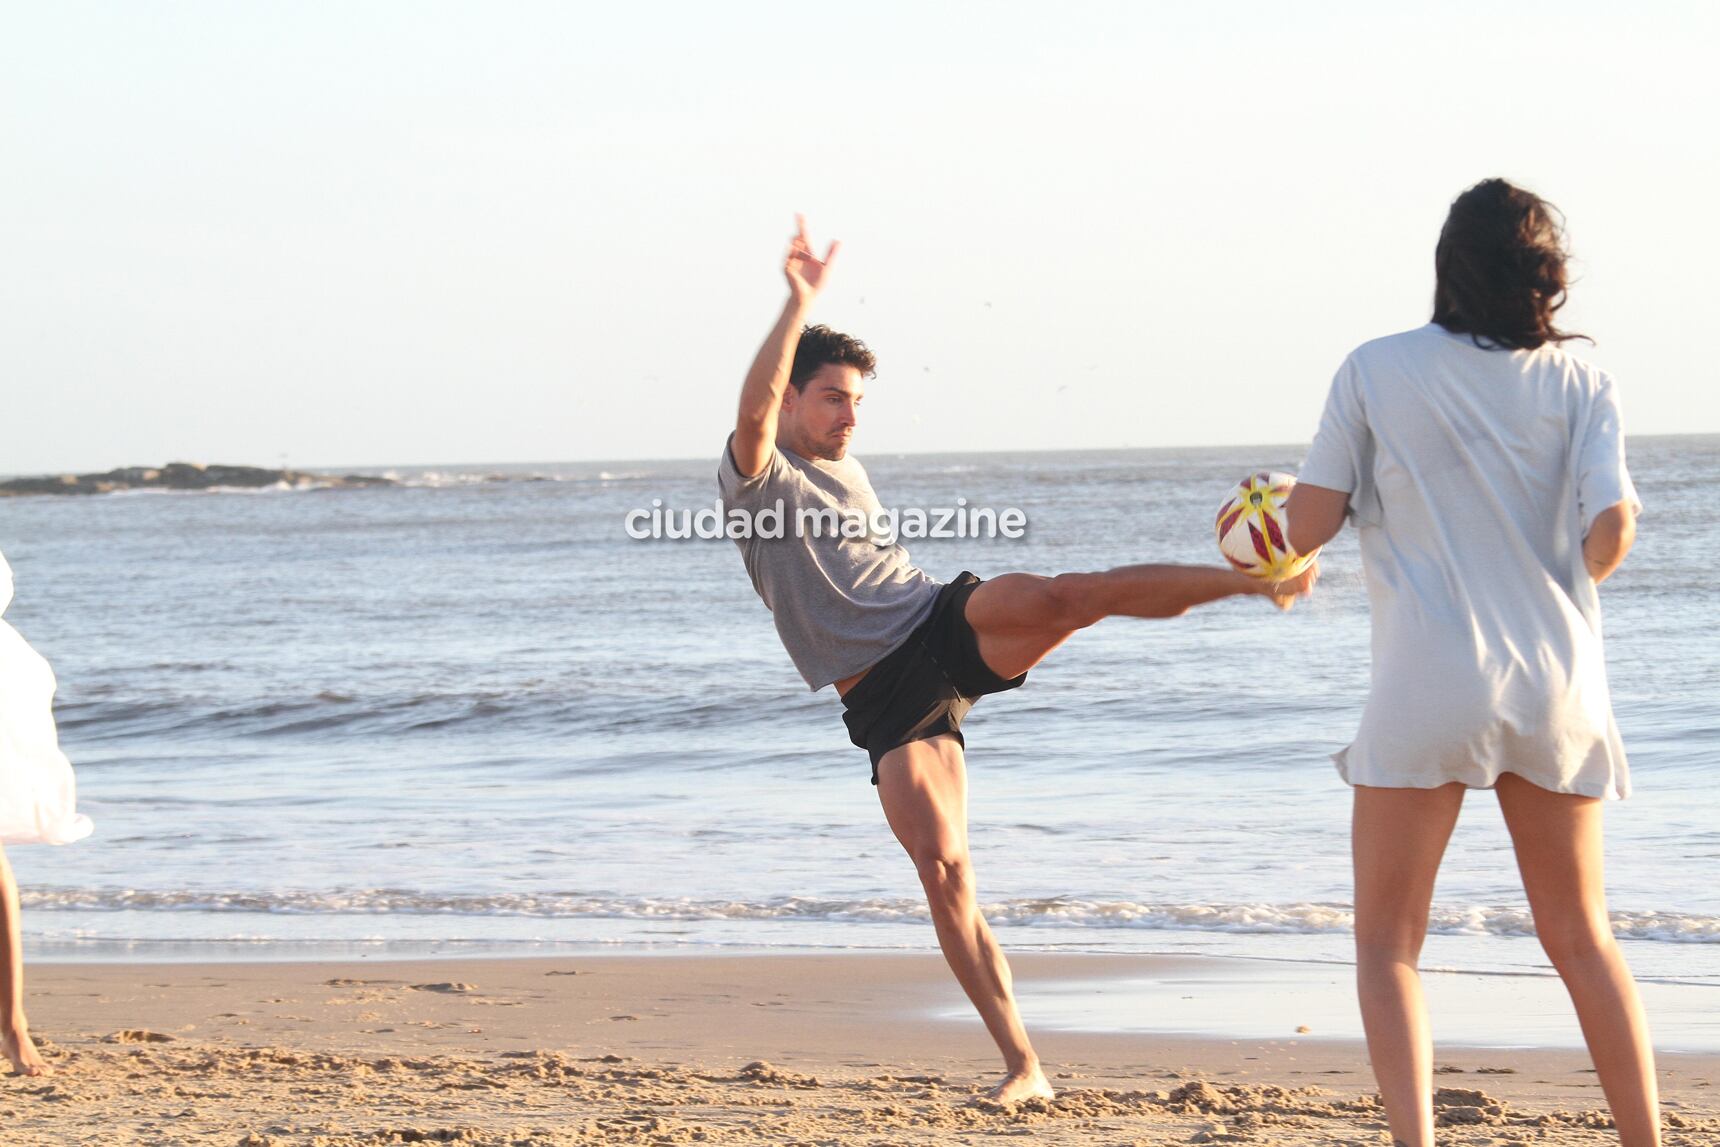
(761, 395)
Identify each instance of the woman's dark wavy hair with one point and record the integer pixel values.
(1500, 268)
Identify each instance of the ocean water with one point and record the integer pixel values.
(471, 714)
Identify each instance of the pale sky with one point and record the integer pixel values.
(367, 233)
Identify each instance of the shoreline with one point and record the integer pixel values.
(1193, 993)
(625, 1048)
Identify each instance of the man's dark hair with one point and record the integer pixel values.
(1500, 267)
(820, 346)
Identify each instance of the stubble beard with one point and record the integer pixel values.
(832, 452)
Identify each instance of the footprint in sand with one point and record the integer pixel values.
(138, 1035)
(761, 1071)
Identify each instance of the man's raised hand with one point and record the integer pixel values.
(761, 394)
(805, 271)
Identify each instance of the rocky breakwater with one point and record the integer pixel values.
(186, 476)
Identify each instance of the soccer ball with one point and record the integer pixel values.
(1253, 531)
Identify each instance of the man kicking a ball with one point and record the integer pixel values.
(910, 656)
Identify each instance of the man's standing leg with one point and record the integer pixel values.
(923, 787)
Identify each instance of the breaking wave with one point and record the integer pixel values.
(1058, 912)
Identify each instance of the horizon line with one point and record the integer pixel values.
(910, 453)
(353, 468)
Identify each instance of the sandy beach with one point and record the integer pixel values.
(796, 1049)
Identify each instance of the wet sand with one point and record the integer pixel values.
(792, 1049)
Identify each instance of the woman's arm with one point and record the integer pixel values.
(1608, 540)
(1314, 515)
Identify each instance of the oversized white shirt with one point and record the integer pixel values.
(1474, 474)
(38, 795)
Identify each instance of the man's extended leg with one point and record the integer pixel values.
(1020, 617)
(923, 787)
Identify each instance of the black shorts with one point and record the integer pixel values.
(926, 685)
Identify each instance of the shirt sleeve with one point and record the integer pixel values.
(1342, 456)
(739, 490)
(1602, 478)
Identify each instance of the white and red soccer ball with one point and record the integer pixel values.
(1253, 533)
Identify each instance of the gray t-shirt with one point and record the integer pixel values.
(840, 603)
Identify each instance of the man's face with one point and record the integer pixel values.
(820, 419)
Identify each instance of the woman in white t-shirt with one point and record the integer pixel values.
(1484, 468)
(38, 805)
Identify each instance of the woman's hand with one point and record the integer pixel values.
(1284, 593)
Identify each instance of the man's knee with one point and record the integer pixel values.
(1072, 600)
(1015, 602)
(946, 873)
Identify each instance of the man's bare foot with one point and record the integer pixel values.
(17, 1046)
(1028, 1083)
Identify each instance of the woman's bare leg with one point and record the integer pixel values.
(15, 1041)
(923, 787)
(1397, 839)
(1558, 841)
